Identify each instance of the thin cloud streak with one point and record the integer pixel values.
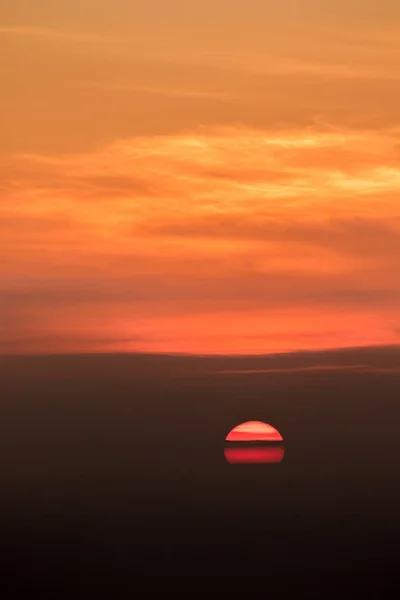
(51, 34)
(163, 91)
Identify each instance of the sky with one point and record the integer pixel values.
(214, 177)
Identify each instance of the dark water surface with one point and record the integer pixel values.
(113, 469)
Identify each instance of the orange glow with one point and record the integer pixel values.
(254, 431)
(215, 180)
(254, 455)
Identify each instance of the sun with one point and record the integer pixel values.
(254, 431)
(254, 442)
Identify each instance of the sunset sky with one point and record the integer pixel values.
(206, 177)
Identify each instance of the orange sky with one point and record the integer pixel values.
(208, 177)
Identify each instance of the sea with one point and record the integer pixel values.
(115, 480)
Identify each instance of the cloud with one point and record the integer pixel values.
(359, 236)
(55, 34)
(310, 369)
(90, 86)
(226, 238)
(154, 90)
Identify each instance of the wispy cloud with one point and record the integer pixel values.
(311, 369)
(341, 57)
(163, 91)
(48, 33)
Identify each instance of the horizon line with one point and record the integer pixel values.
(324, 350)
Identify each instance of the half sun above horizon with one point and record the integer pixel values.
(254, 431)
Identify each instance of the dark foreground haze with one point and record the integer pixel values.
(114, 474)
